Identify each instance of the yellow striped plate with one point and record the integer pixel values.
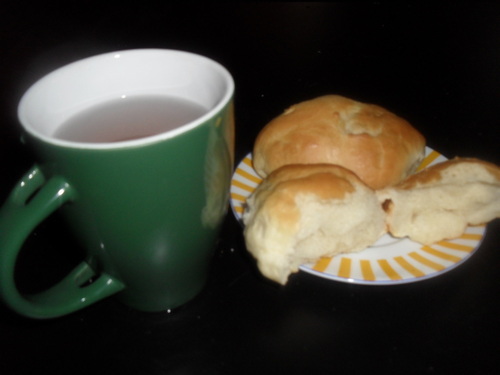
(390, 260)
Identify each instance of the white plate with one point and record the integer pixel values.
(390, 260)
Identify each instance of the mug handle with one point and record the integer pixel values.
(31, 201)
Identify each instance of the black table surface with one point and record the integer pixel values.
(437, 65)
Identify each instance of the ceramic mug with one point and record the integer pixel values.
(147, 211)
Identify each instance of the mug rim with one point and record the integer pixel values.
(221, 103)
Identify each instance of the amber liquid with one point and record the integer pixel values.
(129, 118)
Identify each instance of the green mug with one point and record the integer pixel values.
(147, 210)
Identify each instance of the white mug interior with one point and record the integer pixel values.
(89, 82)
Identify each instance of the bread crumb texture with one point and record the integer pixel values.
(301, 213)
(442, 200)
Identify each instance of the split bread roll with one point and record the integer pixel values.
(301, 213)
(439, 202)
(380, 147)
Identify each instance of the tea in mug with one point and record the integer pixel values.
(129, 118)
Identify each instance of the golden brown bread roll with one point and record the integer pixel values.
(380, 147)
(300, 213)
(439, 202)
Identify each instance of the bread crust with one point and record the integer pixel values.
(380, 147)
(440, 171)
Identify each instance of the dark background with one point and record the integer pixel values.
(437, 65)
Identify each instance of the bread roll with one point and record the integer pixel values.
(439, 202)
(380, 147)
(300, 213)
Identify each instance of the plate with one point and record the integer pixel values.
(390, 260)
